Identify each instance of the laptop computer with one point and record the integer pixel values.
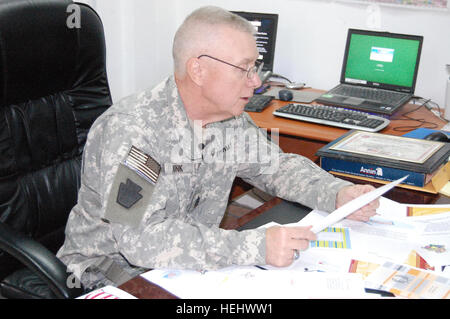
(378, 73)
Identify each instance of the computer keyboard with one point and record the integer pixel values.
(258, 103)
(333, 116)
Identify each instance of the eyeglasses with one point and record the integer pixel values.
(250, 72)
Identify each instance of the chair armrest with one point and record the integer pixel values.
(38, 259)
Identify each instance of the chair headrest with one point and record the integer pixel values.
(41, 50)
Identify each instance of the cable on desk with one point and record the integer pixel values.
(433, 110)
(421, 122)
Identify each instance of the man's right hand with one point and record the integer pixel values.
(282, 241)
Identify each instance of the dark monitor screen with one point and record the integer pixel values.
(265, 34)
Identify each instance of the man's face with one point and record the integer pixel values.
(226, 88)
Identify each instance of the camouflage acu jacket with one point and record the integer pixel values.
(155, 187)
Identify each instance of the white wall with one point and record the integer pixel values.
(310, 41)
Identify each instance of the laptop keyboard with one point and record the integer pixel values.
(383, 96)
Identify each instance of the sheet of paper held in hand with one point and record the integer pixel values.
(354, 205)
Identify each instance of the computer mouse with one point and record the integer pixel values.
(285, 95)
(437, 136)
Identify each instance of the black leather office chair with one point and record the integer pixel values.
(53, 85)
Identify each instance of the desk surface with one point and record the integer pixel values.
(327, 134)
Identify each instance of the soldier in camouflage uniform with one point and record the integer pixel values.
(158, 168)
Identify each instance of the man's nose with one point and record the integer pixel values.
(255, 81)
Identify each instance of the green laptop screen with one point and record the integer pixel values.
(381, 60)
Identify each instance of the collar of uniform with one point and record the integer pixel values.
(183, 130)
(177, 110)
(182, 123)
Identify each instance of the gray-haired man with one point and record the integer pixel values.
(158, 168)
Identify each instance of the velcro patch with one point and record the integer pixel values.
(143, 164)
(191, 168)
(129, 197)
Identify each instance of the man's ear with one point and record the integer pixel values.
(195, 71)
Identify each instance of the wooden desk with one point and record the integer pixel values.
(306, 138)
(143, 289)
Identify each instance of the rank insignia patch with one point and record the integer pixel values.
(143, 164)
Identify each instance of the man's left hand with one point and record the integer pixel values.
(348, 193)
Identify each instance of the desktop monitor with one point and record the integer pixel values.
(266, 32)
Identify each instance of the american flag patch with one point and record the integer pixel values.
(143, 164)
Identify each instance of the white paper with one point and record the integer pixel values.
(254, 283)
(387, 228)
(384, 237)
(374, 245)
(328, 284)
(354, 205)
(391, 208)
(248, 201)
(318, 260)
(181, 283)
(435, 224)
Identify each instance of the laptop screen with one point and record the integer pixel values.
(381, 59)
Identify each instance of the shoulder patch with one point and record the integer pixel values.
(143, 164)
(129, 197)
